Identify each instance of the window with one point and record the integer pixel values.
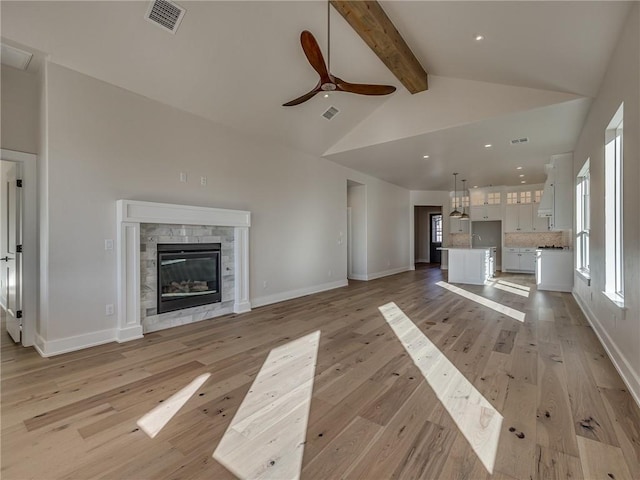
(436, 228)
(512, 197)
(583, 223)
(613, 165)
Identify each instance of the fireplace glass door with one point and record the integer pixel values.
(188, 275)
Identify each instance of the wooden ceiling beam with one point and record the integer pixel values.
(368, 19)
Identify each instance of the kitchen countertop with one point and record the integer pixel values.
(465, 248)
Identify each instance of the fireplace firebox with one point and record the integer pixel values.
(188, 275)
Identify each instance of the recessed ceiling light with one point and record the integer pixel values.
(326, 95)
(478, 37)
(521, 175)
(518, 168)
(475, 186)
(523, 181)
(488, 145)
(425, 156)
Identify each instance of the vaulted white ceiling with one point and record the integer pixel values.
(236, 62)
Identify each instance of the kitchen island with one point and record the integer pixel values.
(471, 265)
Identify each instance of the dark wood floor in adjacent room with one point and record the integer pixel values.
(567, 413)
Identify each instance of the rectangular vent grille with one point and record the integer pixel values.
(330, 113)
(517, 141)
(165, 14)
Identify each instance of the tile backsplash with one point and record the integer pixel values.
(559, 239)
(459, 239)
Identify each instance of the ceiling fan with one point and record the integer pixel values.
(329, 82)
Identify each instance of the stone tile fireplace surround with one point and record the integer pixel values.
(141, 225)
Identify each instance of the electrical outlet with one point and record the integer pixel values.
(183, 177)
(203, 181)
(329, 273)
(265, 285)
(108, 244)
(108, 309)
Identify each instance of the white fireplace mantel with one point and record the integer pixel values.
(131, 213)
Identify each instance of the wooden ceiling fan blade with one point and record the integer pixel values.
(363, 88)
(303, 98)
(314, 55)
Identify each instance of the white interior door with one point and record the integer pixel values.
(10, 259)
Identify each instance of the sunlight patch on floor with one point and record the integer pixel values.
(515, 285)
(151, 423)
(509, 289)
(476, 418)
(266, 437)
(498, 307)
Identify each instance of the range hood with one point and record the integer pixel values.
(545, 207)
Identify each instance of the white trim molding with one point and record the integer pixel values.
(30, 233)
(131, 213)
(301, 292)
(629, 376)
(49, 348)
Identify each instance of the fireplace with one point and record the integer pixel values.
(188, 275)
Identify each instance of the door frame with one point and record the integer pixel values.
(29, 241)
(431, 242)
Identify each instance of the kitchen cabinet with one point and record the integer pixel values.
(486, 212)
(470, 265)
(519, 260)
(486, 205)
(458, 226)
(540, 224)
(554, 270)
(519, 218)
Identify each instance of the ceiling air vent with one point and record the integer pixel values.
(165, 14)
(517, 141)
(330, 113)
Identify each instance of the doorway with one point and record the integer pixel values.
(356, 231)
(435, 237)
(428, 223)
(11, 247)
(20, 295)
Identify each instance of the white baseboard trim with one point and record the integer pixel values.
(386, 273)
(291, 294)
(422, 260)
(242, 307)
(49, 348)
(629, 376)
(127, 334)
(358, 276)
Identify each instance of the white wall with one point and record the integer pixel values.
(619, 330)
(19, 117)
(104, 143)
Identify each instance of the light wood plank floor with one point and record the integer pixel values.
(567, 413)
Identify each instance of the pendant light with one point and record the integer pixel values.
(465, 215)
(456, 213)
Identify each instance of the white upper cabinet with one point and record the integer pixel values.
(486, 205)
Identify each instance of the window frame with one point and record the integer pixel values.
(613, 208)
(583, 220)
